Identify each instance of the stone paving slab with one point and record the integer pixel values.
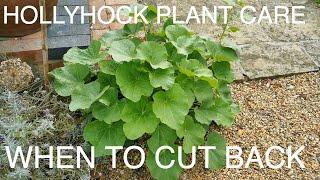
(275, 59)
(313, 48)
(238, 71)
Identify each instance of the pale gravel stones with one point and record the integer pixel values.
(274, 59)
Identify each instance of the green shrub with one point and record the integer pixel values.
(164, 82)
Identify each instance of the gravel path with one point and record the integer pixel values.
(283, 111)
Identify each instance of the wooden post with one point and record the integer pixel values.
(44, 37)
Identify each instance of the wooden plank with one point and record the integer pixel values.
(76, 19)
(31, 57)
(44, 43)
(53, 64)
(61, 11)
(14, 45)
(72, 2)
(68, 41)
(67, 30)
(36, 35)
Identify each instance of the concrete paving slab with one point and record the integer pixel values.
(313, 49)
(274, 59)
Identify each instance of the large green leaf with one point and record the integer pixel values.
(133, 83)
(132, 29)
(165, 158)
(192, 134)
(139, 119)
(100, 134)
(109, 97)
(69, 77)
(217, 157)
(85, 95)
(194, 68)
(154, 53)
(172, 106)
(224, 112)
(111, 36)
(108, 114)
(106, 80)
(220, 53)
(187, 85)
(199, 89)
(203, 91)
(222, 71)
(162, 78)
(224, 91)
(89, 56)
(173, 32)
(163, 136)
(109, 67)
(205, 114)
(123, 50)
(184, 44)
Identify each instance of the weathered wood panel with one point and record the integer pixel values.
(13, 45)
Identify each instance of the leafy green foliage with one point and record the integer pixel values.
(165, 158)
(132, 82)
(123, 50)
(89, 56)
(101, 134)
(139, 119)
(84, 95)
(169, 84)
(162, 78)
(217, 157)
(222, 71)
(171, 106)
(69, 77)
(163, 136)
(193, 134)
(154, 53)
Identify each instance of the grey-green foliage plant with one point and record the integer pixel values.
(32, 120)
(165, 82)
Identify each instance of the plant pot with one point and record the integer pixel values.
(15, 30)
